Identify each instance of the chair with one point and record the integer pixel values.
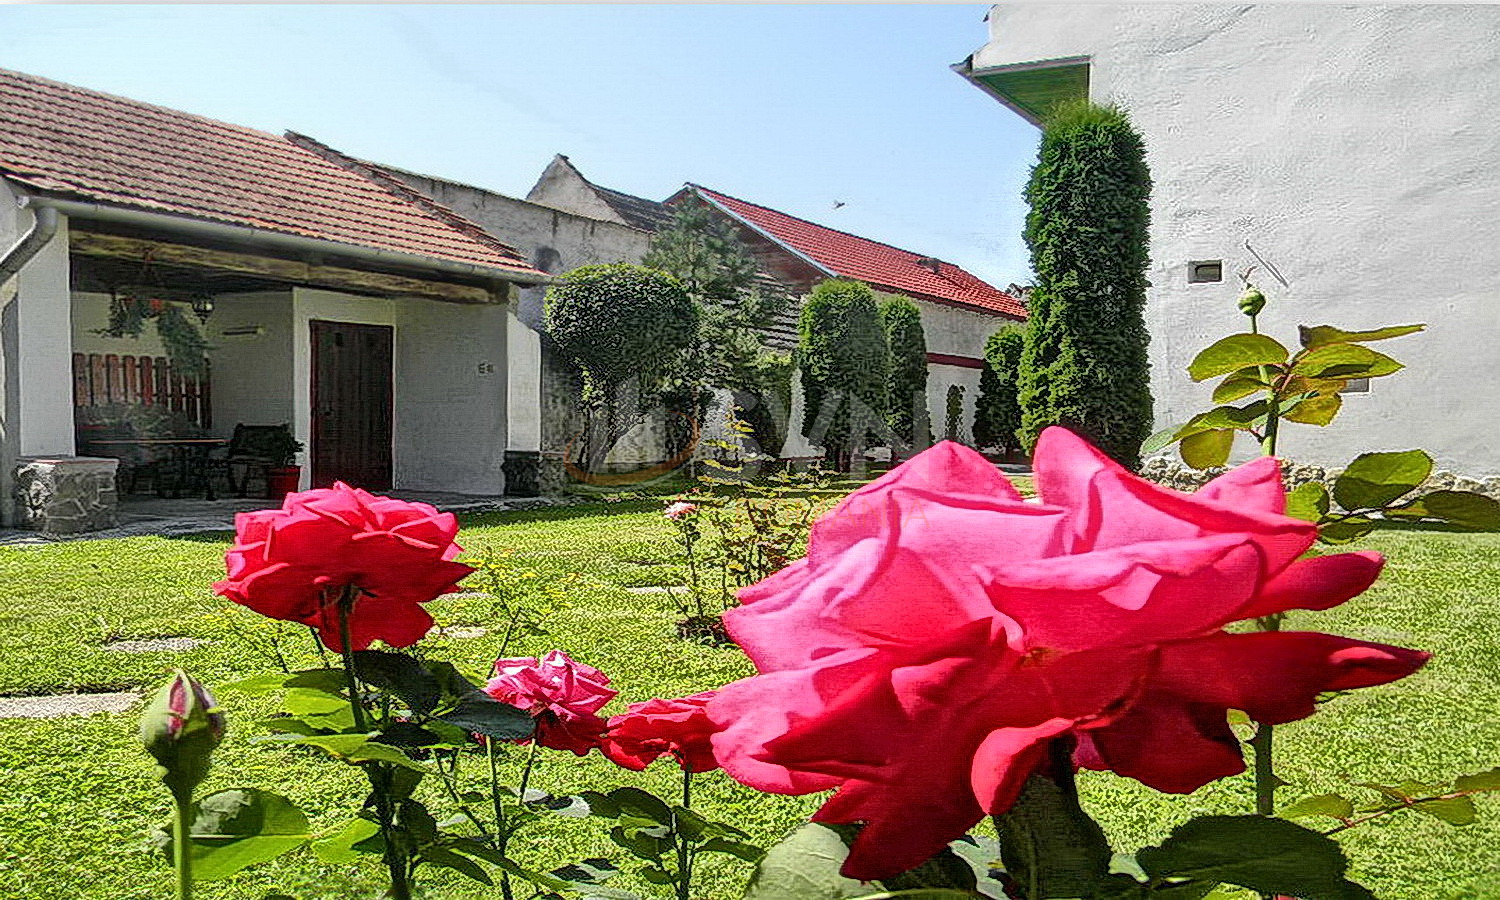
(254, 450)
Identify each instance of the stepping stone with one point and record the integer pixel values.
(464, 632)
(657, 589)
(154, 645)
(55, 706)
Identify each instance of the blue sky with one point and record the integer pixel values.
(797, 107)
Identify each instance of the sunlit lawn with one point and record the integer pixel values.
(77, 796)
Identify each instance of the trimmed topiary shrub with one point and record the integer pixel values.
(1085, 364)
(906, 385)
(997, 412)
(843, 357)
(619, 322)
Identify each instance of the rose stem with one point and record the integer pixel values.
(182, 851)
(378, 773)
(502, 834)
(684, 852)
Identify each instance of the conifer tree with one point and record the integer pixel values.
(843, 357)
(1085, 364)
(997, 412)
(906, 386)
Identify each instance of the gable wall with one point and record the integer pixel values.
(1354, 148)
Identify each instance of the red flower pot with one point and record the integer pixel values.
(282, 481)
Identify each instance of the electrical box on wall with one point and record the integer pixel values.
(1205, 271)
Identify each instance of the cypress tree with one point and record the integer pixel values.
(906, 385)
(844, 359)
(997, 413)
(1085, 364)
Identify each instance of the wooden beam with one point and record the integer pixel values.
(89, 243)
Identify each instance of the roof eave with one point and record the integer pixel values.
(984, 78)
(210, 228)
(759, 230)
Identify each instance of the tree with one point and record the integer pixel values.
(906, 385)
(623, 326)
(997, 413)
(1085, 364)
(843, 356)
(706, 256)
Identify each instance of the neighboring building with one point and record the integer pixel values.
(959, 311)
(1351, 149)
(371, 319)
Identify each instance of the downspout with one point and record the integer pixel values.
(43, 228)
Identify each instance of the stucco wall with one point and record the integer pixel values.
(1353, 148)
(253, 381)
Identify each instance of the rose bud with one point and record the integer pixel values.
(1252, 301)
(181, 727)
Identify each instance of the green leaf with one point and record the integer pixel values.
(330, 680)
(401, 675)
(1207, 449)
(439, 855)
(1345, 530)
(594, 870)
(641, 842)
(1240, 417)
(804, 865)
(480, 713)
(1307, 501)
(1269, 855)
(1461, 509)
(1374, 480)
(1343, 361)
(1048, 841)
(313, 702)
(629, 803)
(923, 894)
(1332, 805)
(471, 847)
(342, 847)
(1236, 352)
(354, 749)
(1239, 384)
(947, 870)
(1162, 439)
(1318, 335)
(1478, 781)
(237, 828)
(1318, 410)
(1453, 810)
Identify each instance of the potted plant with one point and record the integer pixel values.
(283, 476)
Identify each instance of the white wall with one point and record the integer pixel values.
(1354, 147)
(253, 375)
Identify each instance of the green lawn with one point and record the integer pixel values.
(77, 795)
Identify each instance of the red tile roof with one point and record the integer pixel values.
(78, 143)
(879, 265)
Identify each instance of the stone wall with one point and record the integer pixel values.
(1174, 473)
(66, 495)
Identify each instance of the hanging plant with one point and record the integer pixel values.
(184, 343)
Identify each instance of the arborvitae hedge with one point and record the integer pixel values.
(1085, 364)
(906, 385)
(997, 413)
(843, 357)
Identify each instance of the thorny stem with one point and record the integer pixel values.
(1409, 803)
(1265, 735)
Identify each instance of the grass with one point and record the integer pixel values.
(77, 795)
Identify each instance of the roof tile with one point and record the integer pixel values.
(68, 140)
(880, 265)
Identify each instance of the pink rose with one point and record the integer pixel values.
(293, 563)
(941, 631)
(679, 509)
(562, 695)
(679, 727)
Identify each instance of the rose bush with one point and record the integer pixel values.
(561, 694)
(678, 727)
(297, 563)
(941, 632)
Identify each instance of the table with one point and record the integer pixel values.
(187, 456)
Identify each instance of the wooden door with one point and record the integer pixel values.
(351, 405)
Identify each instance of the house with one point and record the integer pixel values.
(959, 311)
(376, 322)
(1347, 152)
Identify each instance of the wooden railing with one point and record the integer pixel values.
(100, 378)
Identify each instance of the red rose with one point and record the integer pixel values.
(680, 727)
(561, 694)
(941, 631)
(294, 563)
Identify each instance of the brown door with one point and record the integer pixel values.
(351, 405)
